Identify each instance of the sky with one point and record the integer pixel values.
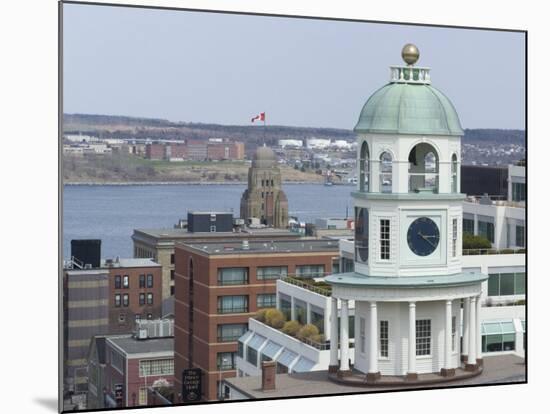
(224, 69)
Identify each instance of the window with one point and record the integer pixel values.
(467, 226)
(138, 317)
(300, 311)
(271, 272)
(364, 167)
(232, 276)
(252, 356)
(118, 283)
(266, 300)
(455, 235)
(231, 332)
(172, 290)
(385, 172)
(240, 349)
(498, 336)
(172, 274)
(518, 191)
(310, 271)
(149, 298)
(423, 337)
(285, 305)
(117, 300)
(142, 281)
(149, 281)
(232, 304)
(317, 318)
(172, 258)
(362, 335)
(385, 239)
(125, 282)
(117, 361)
(454, 174)
(520, 236)
(453, 333)
(156, 367)
(487, 230)
(142, 299)
(505, 284)
(142, 396)
(121, 317)
(361, 235)
(384, 339)
(226, 361)
(125, 300)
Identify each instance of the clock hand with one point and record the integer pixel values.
(426, 238)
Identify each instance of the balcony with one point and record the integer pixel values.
(485, 252)
(320, 288)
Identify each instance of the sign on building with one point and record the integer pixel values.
(191, 385)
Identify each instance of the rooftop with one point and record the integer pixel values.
(357, 279)
(131, 262)
(278, 246)
(500, 369)
(171, 233)
(130, 345)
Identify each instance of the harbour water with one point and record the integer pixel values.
(112, 212)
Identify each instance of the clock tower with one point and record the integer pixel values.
(408, 207)
(408, 282)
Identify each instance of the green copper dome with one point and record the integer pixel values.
(409, 108)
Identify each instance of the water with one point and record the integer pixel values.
(111, 213)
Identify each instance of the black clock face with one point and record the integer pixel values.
(423, 236)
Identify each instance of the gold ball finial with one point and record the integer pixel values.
(410, 54)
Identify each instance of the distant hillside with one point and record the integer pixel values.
(130, 127)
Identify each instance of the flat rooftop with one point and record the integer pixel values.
(131, 345)
(132, 262)
(500, 369)
(174, 233)
(278, 246)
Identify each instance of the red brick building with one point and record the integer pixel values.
(155, 151)
(225, 151)
(135, 293)
(220, 285)
(133, 365)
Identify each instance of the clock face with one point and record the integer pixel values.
(423, 236)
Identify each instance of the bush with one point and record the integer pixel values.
(274, 318)
(469, 241)
(260, 315)
(319, 338)
(291, 328)
(307, 331)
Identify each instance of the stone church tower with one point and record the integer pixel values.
(264, 199)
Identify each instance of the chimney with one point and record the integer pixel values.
(269, 369)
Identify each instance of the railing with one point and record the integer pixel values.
(423, 181)
(325, 291)
(482, 252)
(409, 74)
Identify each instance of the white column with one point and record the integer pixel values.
(373, 351)
(334, 332)
(478, 327)
(292, 309)
(448, 334)
(472, 333)
(308, 312)
(466, 326)
(412, 338)
(344, 338)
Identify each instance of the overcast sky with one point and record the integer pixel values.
(216, 68)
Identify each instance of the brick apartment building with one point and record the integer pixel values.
(154, 151)
(135, 293)
(220, 285)
(123, 367)
(195, 150)
(158, 244)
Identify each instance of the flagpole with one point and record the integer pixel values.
(264, 128)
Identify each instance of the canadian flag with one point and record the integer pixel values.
(259, 117)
